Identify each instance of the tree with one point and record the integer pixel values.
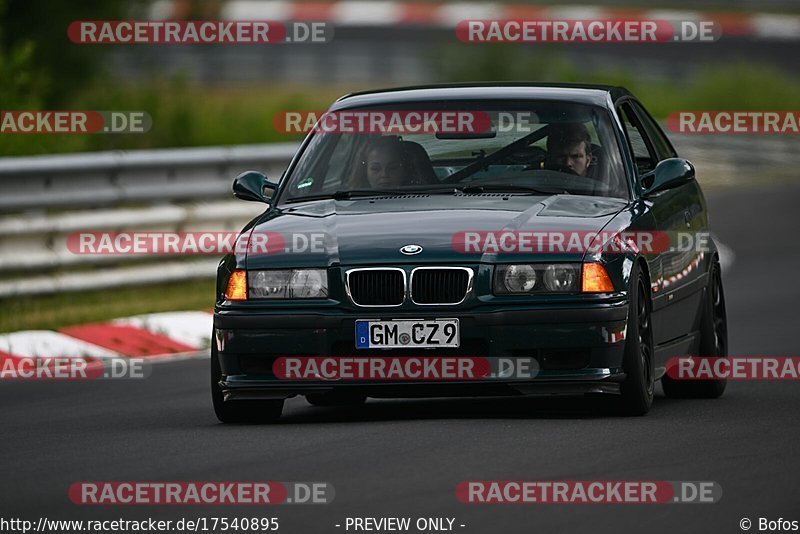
(37, 56)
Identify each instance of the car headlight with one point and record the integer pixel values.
(288, 284)
(515, 279)
(536, 278)
(561, 277)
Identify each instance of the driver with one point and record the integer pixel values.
(569, 145)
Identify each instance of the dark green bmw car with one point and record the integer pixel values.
(516, 239)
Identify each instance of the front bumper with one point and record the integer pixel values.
(577, 350)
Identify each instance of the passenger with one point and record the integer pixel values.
(381, 166)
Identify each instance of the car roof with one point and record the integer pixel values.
(591, 94)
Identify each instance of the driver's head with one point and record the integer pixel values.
(384, 163)
(570, 145)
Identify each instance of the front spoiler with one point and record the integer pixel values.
(605, 381)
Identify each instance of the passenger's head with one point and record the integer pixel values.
(383, 163)
(570, 145)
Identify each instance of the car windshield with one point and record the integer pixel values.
(530, 147)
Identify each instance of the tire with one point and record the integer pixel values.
(240, 411)
(639, 385)
(334, 399)
(713, 342)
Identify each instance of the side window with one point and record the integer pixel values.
(646, 159)
(661, 144)
(337, 169)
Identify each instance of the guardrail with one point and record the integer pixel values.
(103, 178)
(46, 198)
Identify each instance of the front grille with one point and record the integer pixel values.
(439, 285)
(376, 287)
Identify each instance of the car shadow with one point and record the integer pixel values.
(562, 407)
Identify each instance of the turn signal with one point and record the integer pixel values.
(595, 279)
(237, 286)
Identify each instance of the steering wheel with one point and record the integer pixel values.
(531, 155)
(550, 166)
(597, 187)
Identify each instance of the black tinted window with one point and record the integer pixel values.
(646, 159)
(661, 144)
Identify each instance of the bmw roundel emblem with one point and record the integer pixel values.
(410, 250)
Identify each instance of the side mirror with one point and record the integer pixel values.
(253, 185)
(669, 173)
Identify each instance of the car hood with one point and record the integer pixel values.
(373, 230)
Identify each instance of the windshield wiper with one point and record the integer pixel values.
(505, 188)
(347, 194)
(354, 193)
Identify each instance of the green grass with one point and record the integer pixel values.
(51, 312)
(183, 115)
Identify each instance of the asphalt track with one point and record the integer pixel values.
(403, 458)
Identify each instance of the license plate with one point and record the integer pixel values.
(407, 334)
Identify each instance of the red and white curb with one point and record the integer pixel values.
(449, 14)
(190, 328)
(156, 337)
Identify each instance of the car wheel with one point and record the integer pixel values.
(335, 399)
(713, 342)
(240, 411)
(637, 389)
